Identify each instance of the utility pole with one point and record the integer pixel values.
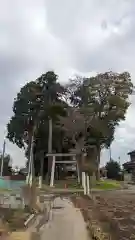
(119, 160)
(110, 153)
(2, 159)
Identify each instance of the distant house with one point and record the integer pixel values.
(129, 167)
(23, 171)
(132, 156)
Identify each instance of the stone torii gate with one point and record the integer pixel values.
(54, 162)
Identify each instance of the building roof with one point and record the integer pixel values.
(24, 170)
(129, 164)
(132, 152)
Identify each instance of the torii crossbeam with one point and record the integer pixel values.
(54, 155)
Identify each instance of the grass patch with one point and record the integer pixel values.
(5, 190)
(62, 184)
(72, 184)
(67, 184)
(107, 185)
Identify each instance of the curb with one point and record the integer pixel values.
(29, 219)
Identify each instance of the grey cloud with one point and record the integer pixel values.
(97, 55)
(27, 49)
(94, 48)
(68, 37)
(20, 52)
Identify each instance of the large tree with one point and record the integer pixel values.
(103, 100)
(113, 169)
(36, 104)
(95, 106)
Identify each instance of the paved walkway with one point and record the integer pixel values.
(65, 223)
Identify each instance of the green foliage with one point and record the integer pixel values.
(108, 185)
(85, 112)
(104, 102)
(25, 109)
(35, 103)
(7, 170)
(113, 169)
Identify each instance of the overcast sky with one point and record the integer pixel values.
(70, 37)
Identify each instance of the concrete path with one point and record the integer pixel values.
(65, 223)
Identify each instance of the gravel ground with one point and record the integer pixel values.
(111, 213)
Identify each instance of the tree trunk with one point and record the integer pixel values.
(49, 148)
(41, 167)
(98, 164)
(79, 161)
(29, 155)
(29, 147)
(31, 169)
(81, 164)
(50, 136)
(32, 159)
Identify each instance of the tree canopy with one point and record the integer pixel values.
(104, 100)
(113, 169)
(84, 112)
(7, 162)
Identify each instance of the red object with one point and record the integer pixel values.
(15, 177)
